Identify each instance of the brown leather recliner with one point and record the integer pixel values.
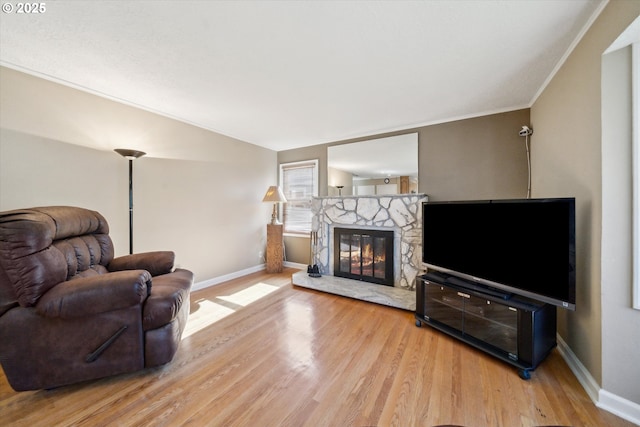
(70, 311)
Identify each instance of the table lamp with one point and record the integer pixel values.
(275, 195)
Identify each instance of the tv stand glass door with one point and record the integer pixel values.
(495, 324)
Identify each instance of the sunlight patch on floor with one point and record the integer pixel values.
(299, 335)
(249, 295)
(209, 312)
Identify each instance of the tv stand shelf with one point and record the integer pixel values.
(517, 330)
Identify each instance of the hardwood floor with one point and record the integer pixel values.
(259, 352)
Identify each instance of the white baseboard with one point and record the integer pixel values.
(584, 377)
(603, 399)
(220, 279)
(295, 265)
(619, 406)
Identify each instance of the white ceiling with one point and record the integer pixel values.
(285, 74)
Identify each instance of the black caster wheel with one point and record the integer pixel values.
(524, 374)
(418, 323)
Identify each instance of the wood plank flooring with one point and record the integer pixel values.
(260, 352)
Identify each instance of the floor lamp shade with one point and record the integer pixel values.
(130, 155)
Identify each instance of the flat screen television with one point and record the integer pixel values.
(524, 247)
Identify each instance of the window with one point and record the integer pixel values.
(635, 132)
(299, 182)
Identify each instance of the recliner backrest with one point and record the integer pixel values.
(41, 247)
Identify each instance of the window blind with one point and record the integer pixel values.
(299, 182)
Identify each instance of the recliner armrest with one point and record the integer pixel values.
(96, 294)
(156, 263)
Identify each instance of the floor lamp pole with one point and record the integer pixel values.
(131, 155)
(130, 206)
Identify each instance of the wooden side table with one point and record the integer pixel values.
(275, 248)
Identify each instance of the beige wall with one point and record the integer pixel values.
(567, 160)
(479, 158)
(196, 192)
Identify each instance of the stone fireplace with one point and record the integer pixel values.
(399, 214)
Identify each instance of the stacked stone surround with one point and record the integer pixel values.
(400, 213)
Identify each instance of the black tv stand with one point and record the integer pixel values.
(517, 330)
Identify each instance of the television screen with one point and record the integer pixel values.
(525, 247)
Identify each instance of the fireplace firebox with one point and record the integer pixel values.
(365, 255)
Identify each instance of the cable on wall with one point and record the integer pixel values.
(526, 131)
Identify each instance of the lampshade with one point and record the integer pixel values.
(129, 154)
(274, 194)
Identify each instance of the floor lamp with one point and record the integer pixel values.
(131, 155)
